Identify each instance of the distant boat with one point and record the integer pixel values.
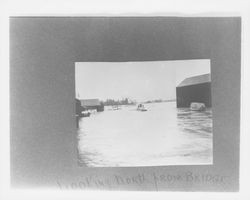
(141, 107)
(116, 107)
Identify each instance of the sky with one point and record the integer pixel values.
(140, 81)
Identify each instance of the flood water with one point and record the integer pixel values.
(163, 135)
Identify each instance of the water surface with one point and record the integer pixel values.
(164, 135)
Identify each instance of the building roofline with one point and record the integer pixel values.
(194, 80)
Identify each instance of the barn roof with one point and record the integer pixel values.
(90, 102)
(204, 78)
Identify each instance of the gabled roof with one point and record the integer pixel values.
(90, 102)
(205, 78)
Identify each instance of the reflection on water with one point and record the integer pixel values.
(195, 122)
(164, 135)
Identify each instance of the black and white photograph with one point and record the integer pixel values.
(135, 103)
(148, 113)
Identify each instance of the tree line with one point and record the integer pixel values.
(113, 102)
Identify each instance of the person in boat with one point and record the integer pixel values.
(141, 107)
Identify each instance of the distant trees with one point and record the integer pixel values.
(159, 101)
(124, 101)
(127, 101)
(155, 101)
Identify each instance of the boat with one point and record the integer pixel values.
(141, 107)
(196, 106)
(84, 114)
(116, 107)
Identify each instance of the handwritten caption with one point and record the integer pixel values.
(157, 180)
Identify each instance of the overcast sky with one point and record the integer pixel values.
(139, 81)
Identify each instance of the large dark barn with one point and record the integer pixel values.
(194, 89)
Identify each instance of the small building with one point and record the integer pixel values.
(78, 107)
(92, 104)
(194, 89)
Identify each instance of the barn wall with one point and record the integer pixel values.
(194, 93)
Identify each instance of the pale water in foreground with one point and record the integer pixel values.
(164, 135)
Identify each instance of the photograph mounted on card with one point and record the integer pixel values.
(162, 110)
(125, 103)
